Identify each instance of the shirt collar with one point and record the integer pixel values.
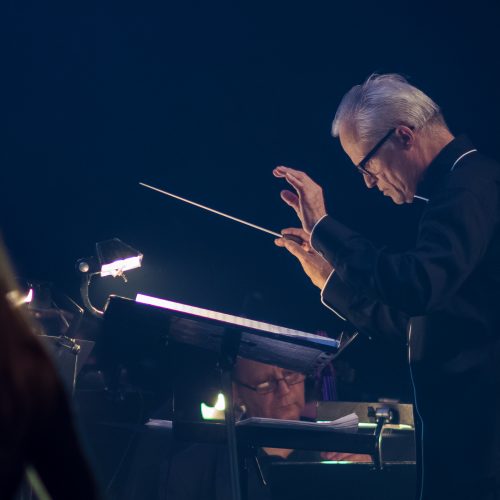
(442, 164)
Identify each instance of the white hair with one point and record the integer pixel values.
(383, 102)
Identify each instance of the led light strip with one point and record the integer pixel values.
(227, 318)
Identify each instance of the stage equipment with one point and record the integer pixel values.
(57, 319)
(215, 412)
(114, 257)
(135, 329)
(241, 221)
(69, 356)
(54, 312)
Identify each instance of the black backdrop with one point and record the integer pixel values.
(204, 99)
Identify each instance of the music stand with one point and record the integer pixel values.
(162, 321)
(69, 356)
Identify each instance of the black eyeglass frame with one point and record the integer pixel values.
(361, 165)
(273, 383)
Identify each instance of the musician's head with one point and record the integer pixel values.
(391, 131)
(268, 391)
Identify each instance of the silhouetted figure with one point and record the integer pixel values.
(36, 424)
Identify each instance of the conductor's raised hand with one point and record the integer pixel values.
(307, 200)
(315, 266)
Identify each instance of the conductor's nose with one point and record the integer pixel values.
(370, 181)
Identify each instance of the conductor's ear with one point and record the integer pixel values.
(405, 136)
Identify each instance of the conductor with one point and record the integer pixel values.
(443, 295)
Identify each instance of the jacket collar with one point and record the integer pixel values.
(442, 165)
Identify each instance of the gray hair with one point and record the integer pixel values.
(383, 102)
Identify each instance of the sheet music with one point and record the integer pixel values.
(348, 423)
(233, 320)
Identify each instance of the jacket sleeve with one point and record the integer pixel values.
(370, 317)
(453, 237)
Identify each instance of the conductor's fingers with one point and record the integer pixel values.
(297, 235)
(290, 199)
(296, 231)
(294, 248)
(282, 171)
(295, 182)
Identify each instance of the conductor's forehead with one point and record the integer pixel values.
(350, 145)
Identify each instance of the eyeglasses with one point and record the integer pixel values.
(361, 165)
(272, 384)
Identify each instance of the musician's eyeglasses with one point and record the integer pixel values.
(272, 384)
(361, 166)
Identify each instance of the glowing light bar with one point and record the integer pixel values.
(221, 402)
(16, 299)
(214, 412)
(227, 318)
(29, 297)
(118, 267)
(211, 413)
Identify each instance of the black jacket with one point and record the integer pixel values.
(443, 297)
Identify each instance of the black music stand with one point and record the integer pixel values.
(164, 322)
(69, 356)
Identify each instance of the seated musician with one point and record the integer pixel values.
(261, 390)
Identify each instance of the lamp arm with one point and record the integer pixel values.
(84, 293)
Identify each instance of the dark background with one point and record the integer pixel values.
(204, 99)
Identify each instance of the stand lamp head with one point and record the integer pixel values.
(114, 257)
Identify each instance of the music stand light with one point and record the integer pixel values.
(215, 412)
(114, 257)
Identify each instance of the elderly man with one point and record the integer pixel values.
(443, 294)
(260, 390)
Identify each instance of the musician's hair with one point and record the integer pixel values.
(36, 425)
(381, 103)
(27, 376)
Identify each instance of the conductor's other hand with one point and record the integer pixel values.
(307, 201)
(315, 266)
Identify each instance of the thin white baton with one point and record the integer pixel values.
(241, 221)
